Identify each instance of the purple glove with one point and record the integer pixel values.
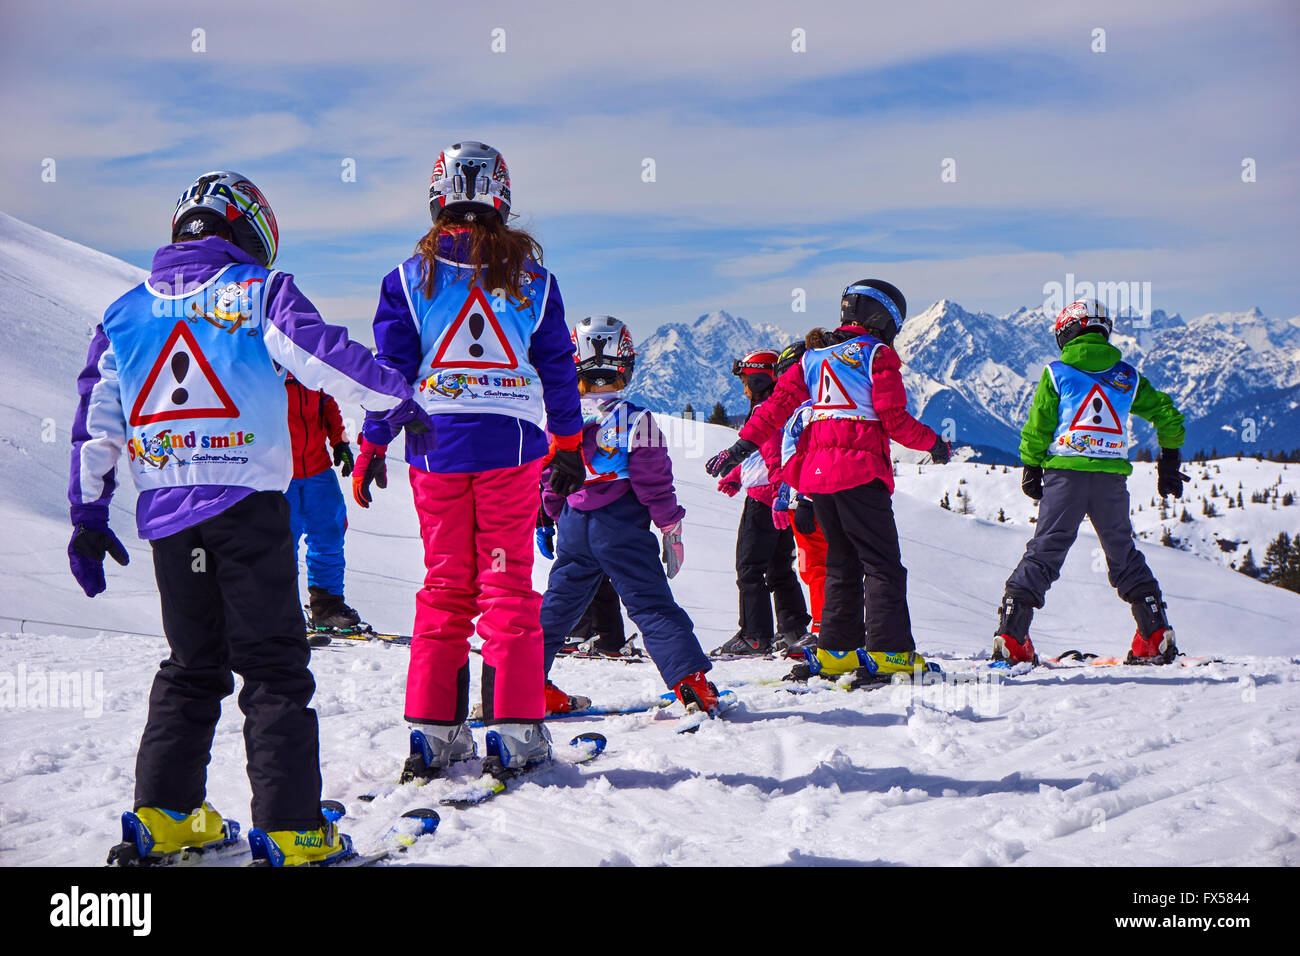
(674, 553)
(91, 540)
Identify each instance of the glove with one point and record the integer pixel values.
(781, 508)
(1031, 482)
(805, 518)
(411, 416)
(941, 453)
(370, 466)
(1169, 480)
(729, 488)
(343, 456)
(724, 461)
(90, 542)
(567, 472)
(545, 538)
(673, 553)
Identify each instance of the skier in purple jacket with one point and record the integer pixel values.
(604, 527)
(186, 375)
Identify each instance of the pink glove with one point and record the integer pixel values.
(781, 518)
(370, 466)
(729, 488)
(673, 553)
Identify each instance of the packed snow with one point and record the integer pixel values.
(1096, 765)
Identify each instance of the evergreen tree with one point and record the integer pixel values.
(1002, 516)
(689, 412)
(1248, 565)
(719, 415)
(1282, 563)
(944, 503)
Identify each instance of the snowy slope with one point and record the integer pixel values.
(1104, 766)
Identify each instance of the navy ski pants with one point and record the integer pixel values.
(616, 540)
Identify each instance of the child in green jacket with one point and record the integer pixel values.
(1075, 451)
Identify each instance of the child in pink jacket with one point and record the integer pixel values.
(859, 405)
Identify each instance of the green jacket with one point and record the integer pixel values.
(1090, 352)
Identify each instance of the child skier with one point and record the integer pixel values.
(163, 364)
(764, 542)
(1075, 454)
(604, 527)
(795, 510)
(476, 324)
(859, 405)
(316, 505)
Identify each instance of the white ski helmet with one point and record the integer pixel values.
(602, 349)
(1087, 315)
(225, 202)
(469, 179)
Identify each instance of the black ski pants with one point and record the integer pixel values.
(765, 575)
(603, 619)
(229, 590)
(862, 549)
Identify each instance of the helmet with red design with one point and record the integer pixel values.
(757, 370)
(602, 350)
(469, 179)
(225, 204)
(1075, 319)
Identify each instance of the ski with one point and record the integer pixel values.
(695, 719)
(596, 710)
(326, 635)
(589, 746)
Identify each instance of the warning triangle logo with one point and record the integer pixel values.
(1097, 414)
(475, 339)
(181, 384)
(831, 392)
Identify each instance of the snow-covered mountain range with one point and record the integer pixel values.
(1235, 375)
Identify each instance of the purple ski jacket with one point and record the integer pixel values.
(471, 443)
(296, 338)
(650, 475)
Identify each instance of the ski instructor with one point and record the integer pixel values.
(186, 374)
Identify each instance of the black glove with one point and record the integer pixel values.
(1031, 482)
(805, 519)
(567, 473)
(724, 461)
(343, 456)
(1169, 480)
(941, 453)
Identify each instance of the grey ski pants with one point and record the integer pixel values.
(1069, 497)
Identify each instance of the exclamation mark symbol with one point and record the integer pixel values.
(476, 326)
(1096, 407)
(180, 368)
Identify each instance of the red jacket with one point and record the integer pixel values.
(835, 454)
(315, 426)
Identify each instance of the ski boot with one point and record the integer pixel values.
(697, 693)
(152, 836)
(515, 747)
(320, 847)
(1011, 643)
(796, 648)
(558, 702)
(329, 612)
(792, 638)
(741, 646)
(1153, 642)
(600, 647)
(434, 747)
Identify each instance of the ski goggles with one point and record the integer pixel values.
(739, 367)
(873, 293)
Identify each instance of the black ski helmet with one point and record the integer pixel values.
(876, 306)
(791, 354)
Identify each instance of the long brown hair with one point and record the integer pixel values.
(496, 252)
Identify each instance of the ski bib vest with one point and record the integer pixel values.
(476, 358)
(1093, 410)
(614, 438)
(793, 428)
(204, 402)
(839, 380)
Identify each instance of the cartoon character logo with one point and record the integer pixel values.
(1077, 444)
(231, 306)
(607, 440)
(851, 355)
(448, 384)
(1120, 381)
(156, 451)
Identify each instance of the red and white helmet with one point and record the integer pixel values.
(603, 350)
(1087, 315)
(469, 179)
(223, 202)
(759, 361)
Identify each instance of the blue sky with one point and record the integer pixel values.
(775, 170)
